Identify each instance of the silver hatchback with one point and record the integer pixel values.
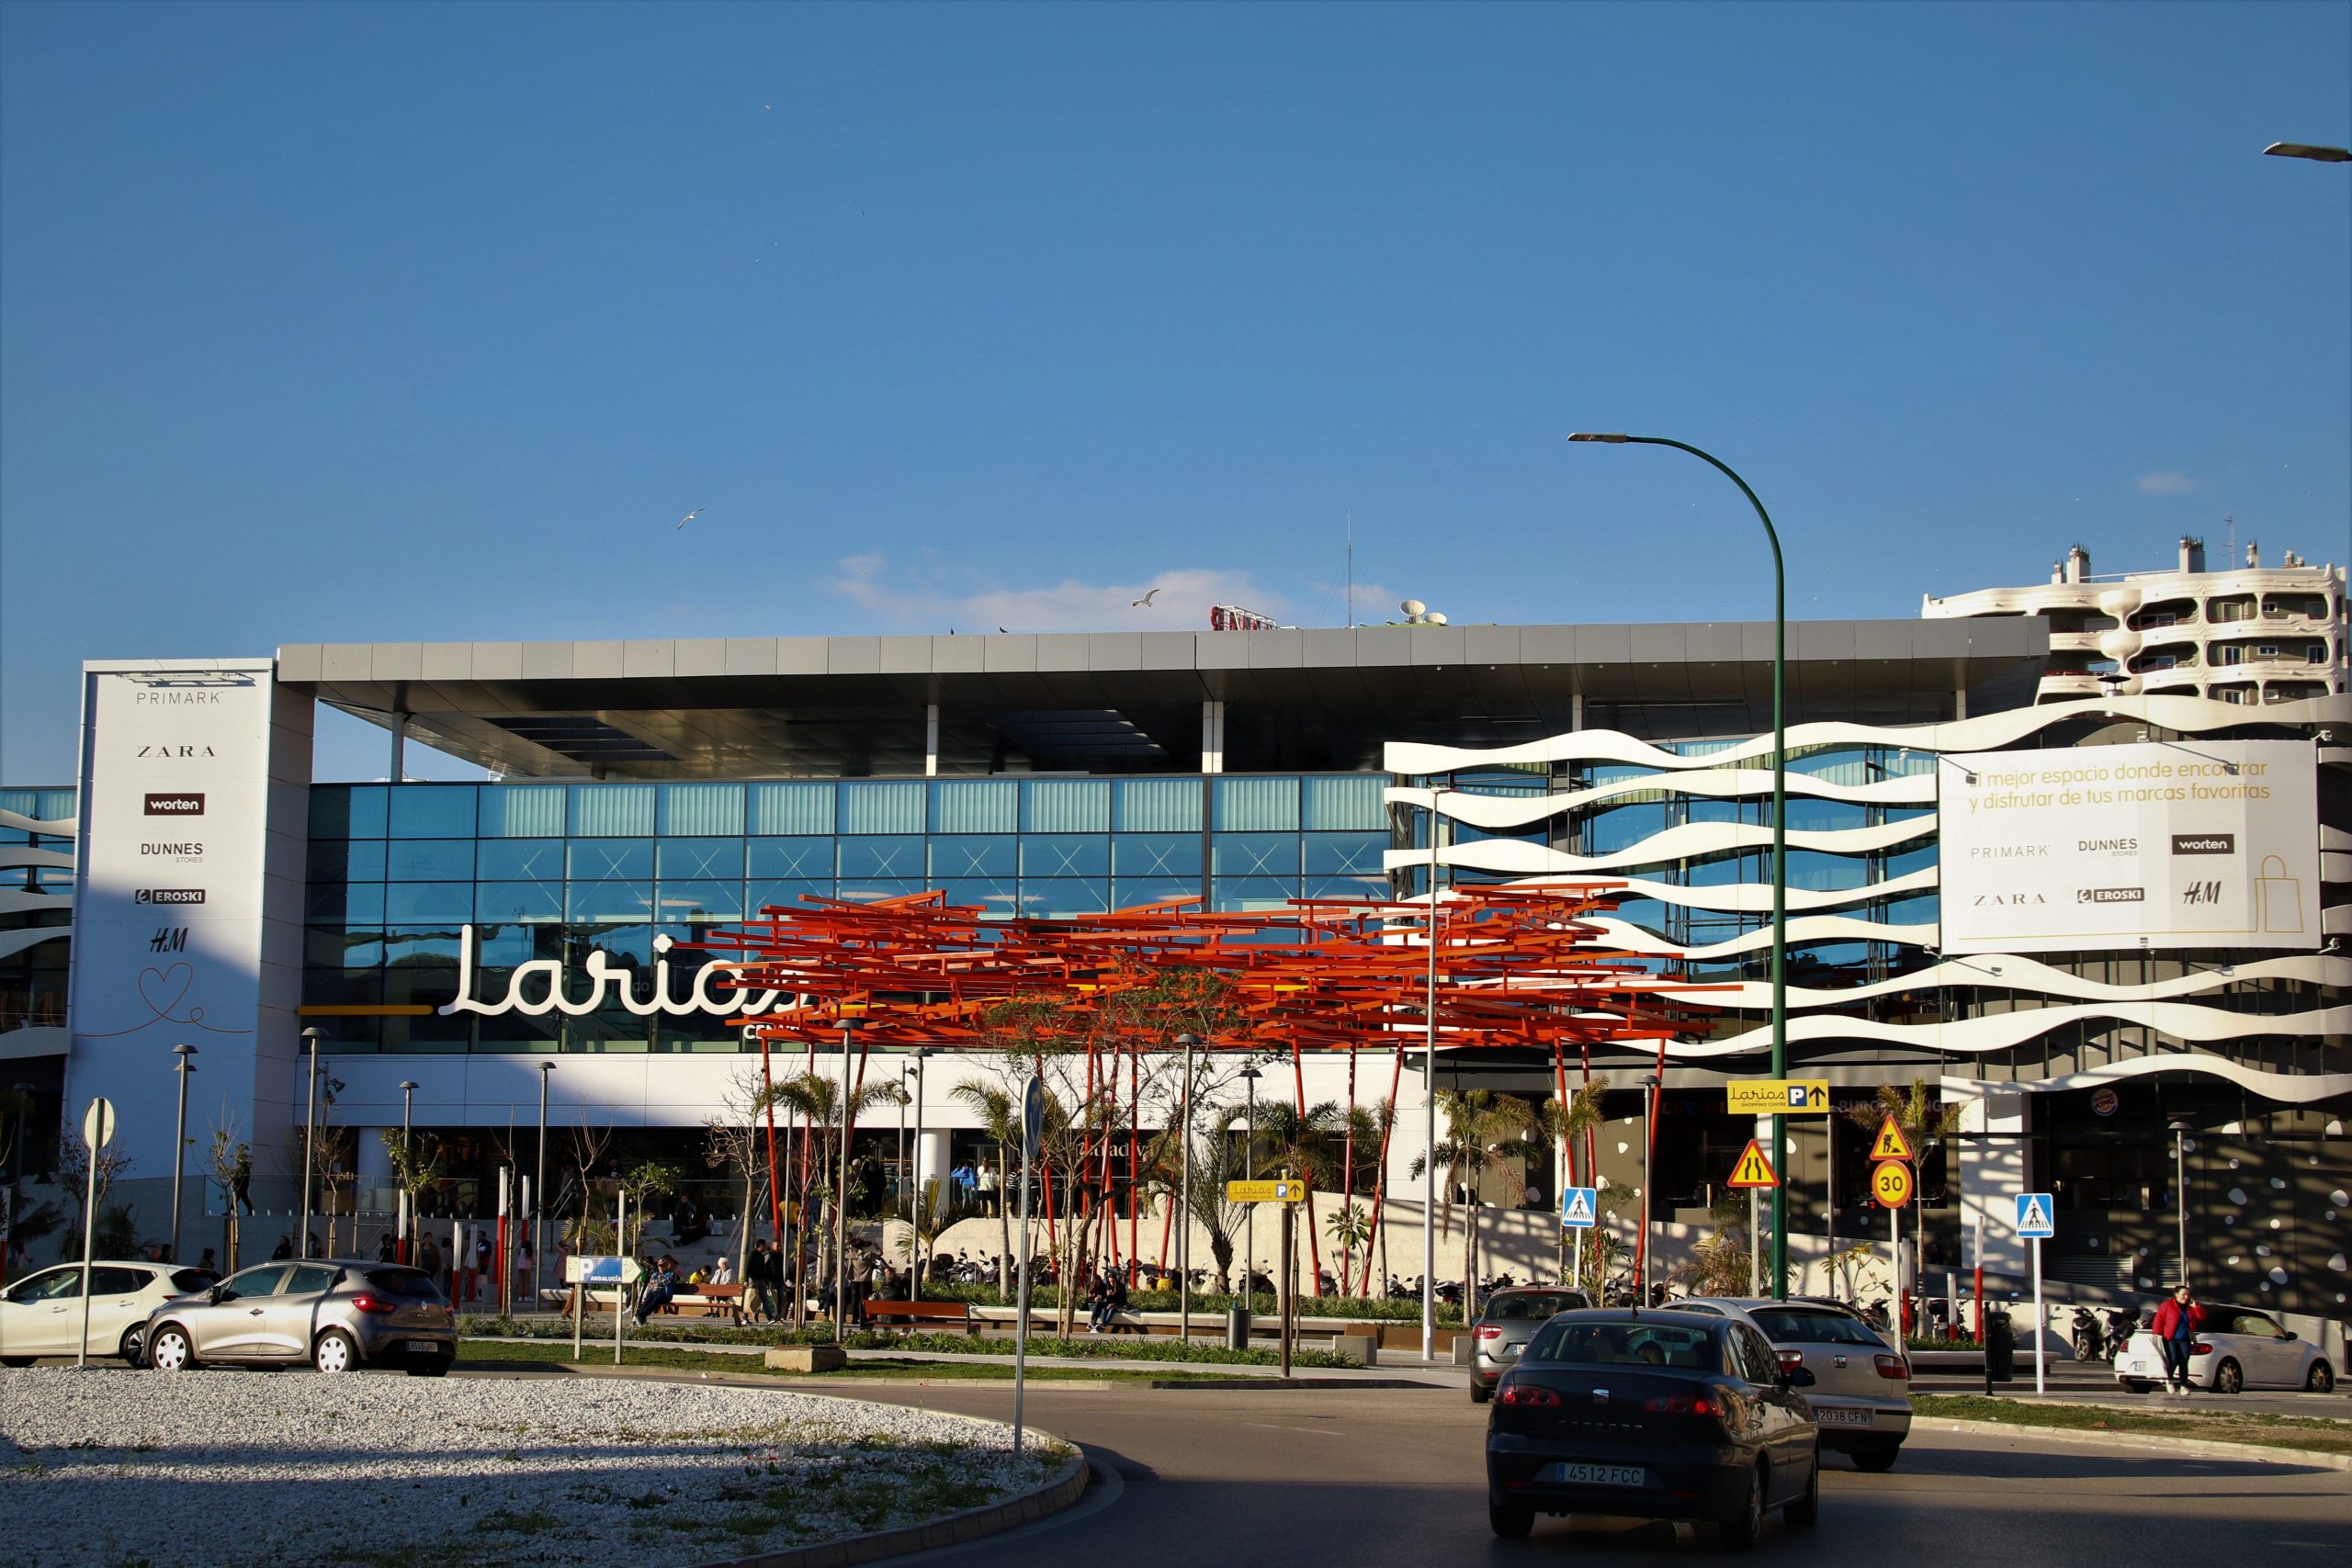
(1861, 1391)
(338, 1315)
(1506, 1323)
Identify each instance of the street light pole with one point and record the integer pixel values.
(1780, 833)
(841, 1202)
(179, 1142)
(539, 1186)
(2179, 1129)
(1429, 1115)
(310, 1137)
(914, 1210)
(408, 1153)
(1649, 1147)
(1184, 1196)
(1249, 1173)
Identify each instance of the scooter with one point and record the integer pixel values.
(2089, 1336)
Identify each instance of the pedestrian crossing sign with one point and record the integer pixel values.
(2037, 1216)
(1753, 1170)
(1580, 1208)
(1890, 1144)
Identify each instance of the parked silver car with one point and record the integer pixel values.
(1861, 1384)
(1507, 1321)
(338, 1315)
(41, 1314)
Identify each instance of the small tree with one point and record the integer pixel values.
(1567, 1125)
(1349, 1228)
(638, 1184)
(418, 1163)
(734, 1140)
(1719, 1265)
(1000, 1119)
(74, 1173)
(1487, 1134)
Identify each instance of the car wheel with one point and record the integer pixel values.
(171, 1351)
(1479, 1393)
(1877, 1457)
(2228, 1379)
(2135, 1385)
(2321, 1379)
(1745, 1528)
(134, 1343)
(336, 1352)
(1806, 1510)
(17, 1360)
(1510, 1520)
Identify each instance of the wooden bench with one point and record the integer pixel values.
(957, 1313)
(698, 1301)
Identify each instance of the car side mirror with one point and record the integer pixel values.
(216, 1295)
(2290, 1334)
(1798, 1377)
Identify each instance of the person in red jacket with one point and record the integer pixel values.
(2176, 1327)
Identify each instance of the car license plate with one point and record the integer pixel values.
(430, 1346)
(1595, 1475)
(1832, 1416)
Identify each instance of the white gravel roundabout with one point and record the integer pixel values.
(119, 1469)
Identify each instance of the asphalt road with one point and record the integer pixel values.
(1377, 1477)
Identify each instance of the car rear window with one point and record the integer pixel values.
(187, 1281)
(1800, 1326)
(1626, 1345)
(411, 1284)
(1531, 1307)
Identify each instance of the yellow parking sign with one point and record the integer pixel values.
(1265, 1191)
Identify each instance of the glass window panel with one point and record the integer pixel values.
(877, 856)
(1065, 805)
(973, 855)
(611, 860)
(429, 860)
(1816, 871)
(707, 808)
(1064, 896)
(342, 987)
(347, 811)
(699, 900)
(409, 946)
(427, 1037)
(792, 808)
(705, 859)
(520, 860)
(1156, 805)
(706, 1036)
(352, 903)
(433, 812)
(1251, 892)
(502, 946)
(1903, 863)
(1607, 832)
(993, 896)
(1374, 887)
(785, 895)
(874, 807)
(1157, 854)
(352, 1036)
(1348, 804)
(522, 812)
(1254, 854)
(865, 889)
(793, 858)
(519, 1032)
(1918, 910)
(335, 860)
(607, 901)
(1127, 892)
(518, 901)
(1823, 816)
(343, 947)
(612, 811)
(1256, 803)
(615, 1030)
(450, 901)
(975, 806)
(1345, 854)
(1065, 855)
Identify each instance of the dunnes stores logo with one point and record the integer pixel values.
(175, 805)
(168, 896)
(2204, 843)
(535, 988)
(192, 848)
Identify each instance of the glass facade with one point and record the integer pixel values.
(562, 873)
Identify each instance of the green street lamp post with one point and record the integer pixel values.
(1780, 834)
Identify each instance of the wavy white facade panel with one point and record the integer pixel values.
(63, 827)
(1756, 897)
(25, 855)
(2335, 866)
(1687, 842)
(2001, 1031)
(2009, 972)
(13, 942)
(2291, 1089)
(1499, 812)
(17, 903)
(40, 1040)
(1801, 929)
(1986, 732)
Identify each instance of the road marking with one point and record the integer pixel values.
(1310, 1431)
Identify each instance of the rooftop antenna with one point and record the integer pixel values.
(2230, 553)
(1351, 567)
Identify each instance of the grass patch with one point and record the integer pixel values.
(1091, 1346)
(668, 1358)
(2302, 1434)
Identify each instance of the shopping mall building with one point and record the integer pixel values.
(2085, 917)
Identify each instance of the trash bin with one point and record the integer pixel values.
(1237, 1328)
(2000, 1348)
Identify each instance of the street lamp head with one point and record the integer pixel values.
(1613, 439)
(1188, 1040)
(410, 1086)
(314, 1034)
(2177, 1125)
(1252, 1074)
(183, 1053)
(546, 1066)
(2305, 150)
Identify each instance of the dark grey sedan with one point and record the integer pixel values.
(338, 1315)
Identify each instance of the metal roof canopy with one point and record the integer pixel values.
(1108, 702)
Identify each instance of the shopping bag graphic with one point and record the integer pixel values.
(2278, 899)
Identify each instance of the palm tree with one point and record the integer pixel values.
(1000, 1124)
(1917, 1119)
(1311, 1144)
(1487, 1134)
(832, 1123)
(1566, 1126)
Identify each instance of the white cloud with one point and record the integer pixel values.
(1181, 603)
(2166, 481)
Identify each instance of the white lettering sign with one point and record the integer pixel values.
(545, 976)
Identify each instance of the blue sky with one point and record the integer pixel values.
(428, 322)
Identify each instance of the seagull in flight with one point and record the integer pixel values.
(1144, 603)
(689, 517)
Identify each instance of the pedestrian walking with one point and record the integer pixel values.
(2176, 1327)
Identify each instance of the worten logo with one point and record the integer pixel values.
(2110, 895)
(175, 805)
(168, 896)
(2204, 843)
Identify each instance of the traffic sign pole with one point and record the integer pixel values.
(1033, 1127)
(2039, 1369)
(1755, 1243)
(97, 1131)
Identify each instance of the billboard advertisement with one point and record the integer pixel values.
(2195, 843)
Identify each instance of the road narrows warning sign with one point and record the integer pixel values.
(1753, 1170)
(1890, 1144)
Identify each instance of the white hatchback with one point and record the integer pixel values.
(41, 1314)
(2237, 1349)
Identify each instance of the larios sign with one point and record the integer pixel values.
(545, 976)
